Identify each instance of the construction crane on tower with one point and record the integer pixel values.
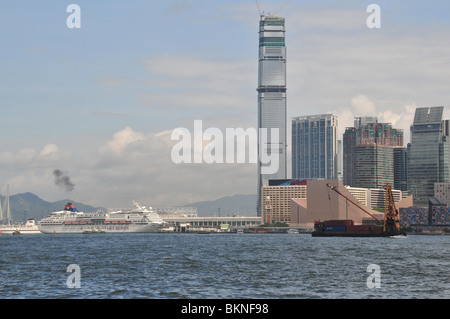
(262, 13)
(276, 12)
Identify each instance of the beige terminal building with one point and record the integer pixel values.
(301, 205)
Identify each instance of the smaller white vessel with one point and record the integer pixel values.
(9, 227)
(30, 227)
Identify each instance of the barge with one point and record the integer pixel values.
(388, 227)
(347, 228)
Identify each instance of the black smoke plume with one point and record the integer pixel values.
(63, 181)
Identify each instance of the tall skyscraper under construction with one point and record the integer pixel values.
(271, 97)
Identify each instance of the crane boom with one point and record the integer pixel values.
(261, 13)
(356, 204)
(276, 12)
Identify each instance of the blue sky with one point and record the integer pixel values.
(100, 102)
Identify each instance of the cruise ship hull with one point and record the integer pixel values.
(72, 221)
(77, 229)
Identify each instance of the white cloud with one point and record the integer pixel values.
(21, 157)
(143, 171)
(363, 105)
(132, 165)
(121, 140)
(401, 117)
(49, 149)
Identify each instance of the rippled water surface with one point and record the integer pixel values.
(223, 266)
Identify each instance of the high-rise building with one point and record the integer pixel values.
(271, 97)
(428, 153)
(340, 167)
(314, 147)
(369, 153)
(349, 142)
(400, 169)
(373, 166)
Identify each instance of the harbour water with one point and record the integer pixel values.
(224, 266)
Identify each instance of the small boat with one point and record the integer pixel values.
(257, 231)
(16, 232)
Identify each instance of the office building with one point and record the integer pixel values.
(368, 153)
(428, 153)
(348, 144)
(314, 147)
(373, 166)
(442, 192)
(400, 169)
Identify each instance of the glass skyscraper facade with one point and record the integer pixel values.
(314, 146)
(271, 97)
(428, 153)
(369, 154)
(400, 169)
(373, 166)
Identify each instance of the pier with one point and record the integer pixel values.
(182, 223)
(227, 224)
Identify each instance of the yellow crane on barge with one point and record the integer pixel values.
(390, 223)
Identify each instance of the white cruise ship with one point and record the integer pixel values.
(70, 220)
(29, 227)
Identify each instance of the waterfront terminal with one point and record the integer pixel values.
(185, 219)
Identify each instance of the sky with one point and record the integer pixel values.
(99, 103)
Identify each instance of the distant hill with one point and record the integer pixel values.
(239, 205)
(28, 205)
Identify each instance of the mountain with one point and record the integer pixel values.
(28, 205)
(239, 205)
